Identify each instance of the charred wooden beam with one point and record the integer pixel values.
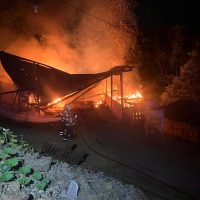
(15, 91)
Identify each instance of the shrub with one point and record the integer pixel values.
(43, 184)
(25, 170)
(7, 176)
(24, 181)
(38, 176)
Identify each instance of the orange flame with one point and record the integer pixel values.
(136, 95)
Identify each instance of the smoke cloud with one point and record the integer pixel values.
(80, 36)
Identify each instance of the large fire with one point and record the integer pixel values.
(65, 38)
(98, 103)
(129, 100)
(57, 100)
(136, 97)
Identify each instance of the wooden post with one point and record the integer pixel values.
(122, 90)
(111, 96)
(106, 87)
(106, 92)
(38, 100)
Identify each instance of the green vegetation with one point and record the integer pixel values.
(43, 184)
(6, 176)
(24, 181)
(11, 162)
(3, 155)
(25, 170)
(9, 150)
(11, 167)
(38, 176)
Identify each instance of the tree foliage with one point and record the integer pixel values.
(164, 37)
(187, 84)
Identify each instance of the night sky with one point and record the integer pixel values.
(154, 13)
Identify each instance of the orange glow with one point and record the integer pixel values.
(56, 104)
(136, 95)
(57, 100)
(96, 106)
(31, 99)
(98, 103)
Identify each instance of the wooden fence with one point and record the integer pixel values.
(181, 130)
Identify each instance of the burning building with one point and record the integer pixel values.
(40, 87)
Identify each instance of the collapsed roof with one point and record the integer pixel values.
(48, 81)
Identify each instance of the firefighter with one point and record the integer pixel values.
(69, 123)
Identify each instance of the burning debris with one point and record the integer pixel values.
(129, 100)
(98, 103)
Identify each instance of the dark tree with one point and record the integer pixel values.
(187, 84)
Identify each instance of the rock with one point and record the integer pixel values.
(65, 165)
(14, 186)
(29, 157)
(42, 164)
(108, 186)
(20, 152)
(15, 196)
(139, 195)
(86, 190)
(1, 188)
(35, 195)
(72, 191)
(56, 191)
(59, 173)
(4, 188)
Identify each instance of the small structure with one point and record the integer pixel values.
(182, 120)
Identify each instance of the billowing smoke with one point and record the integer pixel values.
(80, 36)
